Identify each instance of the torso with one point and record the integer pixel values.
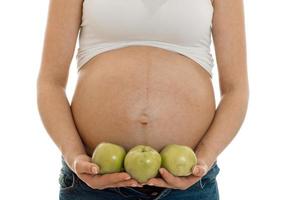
(142, 95)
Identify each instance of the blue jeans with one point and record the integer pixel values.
(73, 188)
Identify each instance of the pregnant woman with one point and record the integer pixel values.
(144, 77)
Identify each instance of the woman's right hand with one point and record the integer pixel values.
(89, 173)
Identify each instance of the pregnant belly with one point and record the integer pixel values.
(142, 95)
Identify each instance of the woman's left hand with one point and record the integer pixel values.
(168, 180)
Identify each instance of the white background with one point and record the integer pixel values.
(261, 163)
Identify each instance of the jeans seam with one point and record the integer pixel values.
(163, 193)
(201, 182)
(117, 189)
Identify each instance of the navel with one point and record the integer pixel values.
(144, 119)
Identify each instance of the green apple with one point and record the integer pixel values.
(109, 157)
(179, 160)
(142, 163)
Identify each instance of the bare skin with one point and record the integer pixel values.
(144, 94)
(141, 95)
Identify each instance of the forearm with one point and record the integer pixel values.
(56, 116)
(228, 119)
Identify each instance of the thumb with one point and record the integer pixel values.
(199, 170)
(86, 166)
(94, 169)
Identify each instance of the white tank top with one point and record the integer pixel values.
(182, 26)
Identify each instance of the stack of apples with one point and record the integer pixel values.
(142, 162)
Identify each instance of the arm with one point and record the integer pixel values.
(230, 46)
(62, 28)
(63, 24)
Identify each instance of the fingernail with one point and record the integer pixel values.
(133, 185)
(95, 170)
(161, 170)
(196, 170)
(127, 177)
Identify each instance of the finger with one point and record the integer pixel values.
(82, 166)
(128, 183)
(115, 177)
(106, 179)
(103, 181)
(158, 182)
(170, 178)
(178, 182)
(199, 170)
